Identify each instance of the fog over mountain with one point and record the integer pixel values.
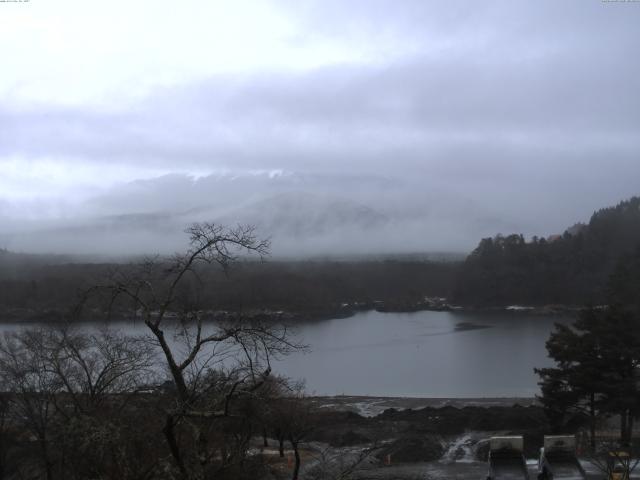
(334, 127)
(303, 215)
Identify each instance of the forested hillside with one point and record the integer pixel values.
(39, 287)
(570, 269)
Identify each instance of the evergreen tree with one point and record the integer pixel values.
(597, 369)
(570, 269)
(576, 385)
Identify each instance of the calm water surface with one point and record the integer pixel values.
(422, 354)
(430, 354)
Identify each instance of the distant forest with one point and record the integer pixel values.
(311, 288)
(569, 269)
(572, 268)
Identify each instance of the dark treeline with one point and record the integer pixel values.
(569, 269)
(307, 287)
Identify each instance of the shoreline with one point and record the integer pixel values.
(29, 315)
(370, 406)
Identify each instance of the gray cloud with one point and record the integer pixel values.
(519, 111)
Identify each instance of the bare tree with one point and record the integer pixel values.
(33, 389)
(211, 364)
(100, 372)
(67, 389)
(615, 460)
(292, 418)
(340, 465)
(96, 366)
(4, 437)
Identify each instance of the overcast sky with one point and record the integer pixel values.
(462, 118)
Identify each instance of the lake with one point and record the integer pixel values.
(421, 354)
(424, 354)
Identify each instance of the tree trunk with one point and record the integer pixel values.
(176, 373)
(626, 427)
(2, 454)
(296, 467)
(592, 422)
(623, 428)
(264, 436)
(281, 446)
(202, 447)
(44, 450)
(169, 434)
(49, 472)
